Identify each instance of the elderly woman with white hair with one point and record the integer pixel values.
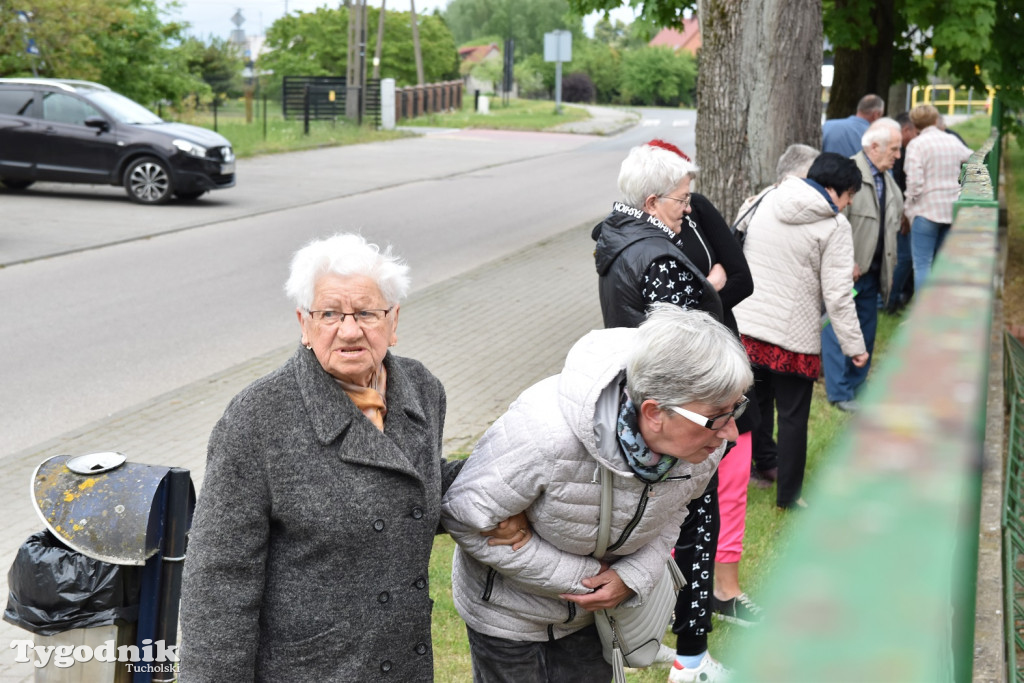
(655, 407)
(308, 555)
(637, 259)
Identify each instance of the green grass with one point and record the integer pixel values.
(764, 542)
(282, 135)
(518, 115)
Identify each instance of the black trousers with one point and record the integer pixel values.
(695, 554)
(790, 397)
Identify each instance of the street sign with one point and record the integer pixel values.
(558, 46)
(30, 47)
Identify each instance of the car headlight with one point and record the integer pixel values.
(190, 148)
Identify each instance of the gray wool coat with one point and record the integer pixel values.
(307, 558)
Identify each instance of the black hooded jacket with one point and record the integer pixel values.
(628, 241)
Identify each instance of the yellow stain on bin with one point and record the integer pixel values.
(68, 497)
(87, 484)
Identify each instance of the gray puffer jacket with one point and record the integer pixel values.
(544, 456)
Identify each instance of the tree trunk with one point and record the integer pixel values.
(380, 40)
(866, 68)
(758, 91)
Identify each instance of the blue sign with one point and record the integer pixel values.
(30, 47)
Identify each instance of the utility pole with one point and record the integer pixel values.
(416, 43)
(380, 40)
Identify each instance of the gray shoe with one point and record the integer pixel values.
(850, 406)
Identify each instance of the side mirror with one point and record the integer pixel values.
(97, 122)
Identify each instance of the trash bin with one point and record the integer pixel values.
(101, 584)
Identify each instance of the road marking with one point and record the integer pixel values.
(680, 122)
(650, 122)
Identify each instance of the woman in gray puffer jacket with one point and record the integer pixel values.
(633, 401)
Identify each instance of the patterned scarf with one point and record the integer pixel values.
(369, 400)
(649, 466)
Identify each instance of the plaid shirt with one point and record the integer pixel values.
(932, 166)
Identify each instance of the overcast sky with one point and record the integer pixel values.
(213, 17)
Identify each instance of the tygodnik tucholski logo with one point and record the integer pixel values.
(155, 657)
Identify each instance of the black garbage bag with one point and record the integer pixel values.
(55, 589)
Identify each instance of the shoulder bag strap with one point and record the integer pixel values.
(604, 524)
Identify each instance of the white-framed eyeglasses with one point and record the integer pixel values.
(714, 423)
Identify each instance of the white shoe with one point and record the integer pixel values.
(665, 657)
(709, 671)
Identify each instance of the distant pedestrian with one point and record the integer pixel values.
(842, 136)
(933, 184)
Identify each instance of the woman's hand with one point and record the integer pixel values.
(608, 590)
(717, 277)
(861, 359)
(514, 531)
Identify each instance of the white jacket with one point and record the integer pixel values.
(543, 456)
(800, 253)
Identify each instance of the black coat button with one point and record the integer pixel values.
(378, 525)
(421, 648)
(383, 597)
(421, 583)
(417, 513)
(385, 666)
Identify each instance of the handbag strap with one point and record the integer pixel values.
(604, 519)
(734, 227)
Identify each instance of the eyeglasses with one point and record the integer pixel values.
(367, 318)
(685, 201)
(718, 421)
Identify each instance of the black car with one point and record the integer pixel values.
(81, 132)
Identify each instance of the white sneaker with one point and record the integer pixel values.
(709, 671)
(665, 657)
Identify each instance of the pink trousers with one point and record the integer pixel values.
(733, 479)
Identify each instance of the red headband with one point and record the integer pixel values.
(668, 146)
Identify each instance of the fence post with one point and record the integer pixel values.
(387, 104)
(305, 109)
(264, 117)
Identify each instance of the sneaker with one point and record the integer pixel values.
(665, 657)
(709, 671)
(799, 504)
(740, 610)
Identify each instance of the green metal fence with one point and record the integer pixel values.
(878, 579)
(1013, 511)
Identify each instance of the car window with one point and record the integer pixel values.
(61, 108)
(122, 108)
(16, 102)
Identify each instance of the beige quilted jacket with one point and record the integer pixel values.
(800, 254)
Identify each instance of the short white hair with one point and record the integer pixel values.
(881, 132)
(685, 356)
(648, 170)
(345, 254)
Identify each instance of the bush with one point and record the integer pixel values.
(577, 87)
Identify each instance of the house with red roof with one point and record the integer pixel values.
(687, 38)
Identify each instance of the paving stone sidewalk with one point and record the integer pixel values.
(487, 335)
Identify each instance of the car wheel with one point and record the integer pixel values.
(147, 181)
(15, 184)
(189, 196)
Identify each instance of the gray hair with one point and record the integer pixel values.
(795, 161)
(648, 170)
(345, 254)
(880, 133)
(686, 356)
(870, 104)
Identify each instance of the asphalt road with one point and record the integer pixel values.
(106, 303)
